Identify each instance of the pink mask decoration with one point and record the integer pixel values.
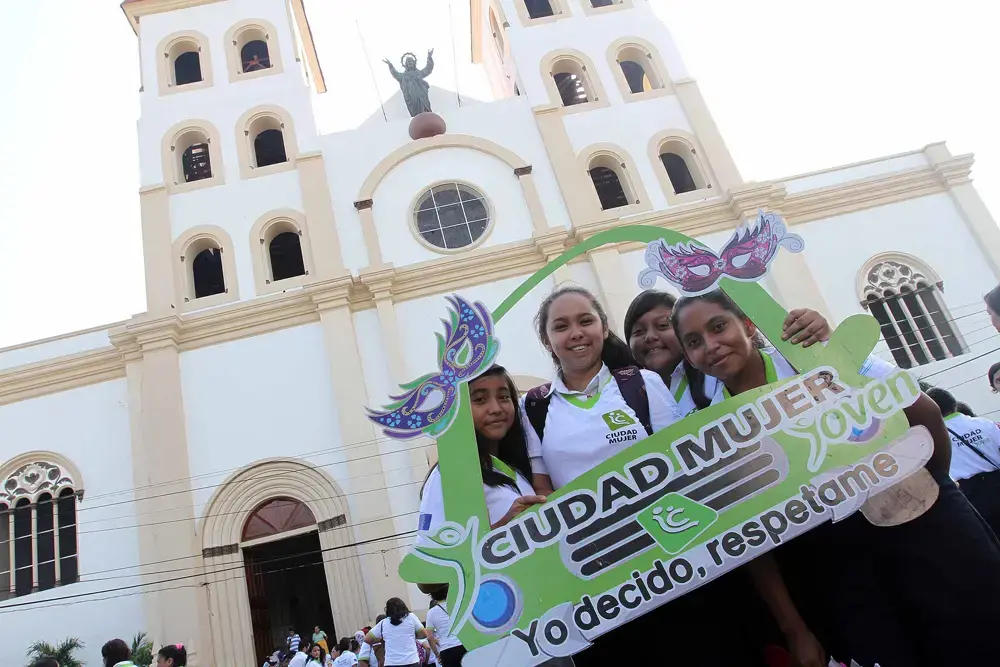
(695, 269)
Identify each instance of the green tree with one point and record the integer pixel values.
(63, 652)
(142, 650)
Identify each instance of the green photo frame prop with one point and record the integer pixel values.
(671, 512)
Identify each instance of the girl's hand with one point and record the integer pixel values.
(804, 326)
(805, 649)
(518, 506)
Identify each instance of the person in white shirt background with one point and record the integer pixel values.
(342, 654)
(445, 646)
(116, 653)
(368, 655)
(399, 630)
(915, 582)
(300, 657)
(975, 458)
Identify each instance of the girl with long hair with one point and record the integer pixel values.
(872, 594)
(399, 630)
(503, 455)
(598, 404)
(172, 655)
(446, 647)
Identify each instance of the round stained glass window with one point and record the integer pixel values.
(451, 216)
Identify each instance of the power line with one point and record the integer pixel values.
(11, 607)
(978, 356)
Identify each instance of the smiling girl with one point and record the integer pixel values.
(896, 595)
(598, 404)
(503, 455)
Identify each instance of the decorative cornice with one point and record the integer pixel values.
(59, 374)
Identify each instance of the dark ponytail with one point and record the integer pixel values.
(615, 353)
(396, 610)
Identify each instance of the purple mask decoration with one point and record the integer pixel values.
(695, 269)
(428, 405)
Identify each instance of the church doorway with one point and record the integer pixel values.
(285, 575)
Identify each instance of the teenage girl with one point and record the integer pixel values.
(587, 420)
(447, 648)
(584, 397)
(897, 595)
(655, 347)
(503, 455)
(398, 630)
(172, 655)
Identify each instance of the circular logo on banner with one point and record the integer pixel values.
(497, 606)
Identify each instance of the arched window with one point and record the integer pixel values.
(285, 253)
(207, 273)
(269, 148)
(43, 530)
(451, 216)
(277, 516)
(601, 3)
(907, 300)
(538, 9)
(678, 172)
(497, 34)
(681, 171)
(184, 62)
(193, 157)
(254, 55)
(187, 68)
(572, 89)
(610, 181)
(204, 269)
(636, 64)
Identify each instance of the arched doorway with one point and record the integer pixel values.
(225, 552)
(286, 583)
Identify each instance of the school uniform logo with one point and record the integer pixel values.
(617, 419)
(675, 521)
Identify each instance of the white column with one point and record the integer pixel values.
(10, 546)
(55, 538)
(34, 546)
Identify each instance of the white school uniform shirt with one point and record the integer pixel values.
(298, 660)
(345, 659)
(368, 653)
(439, 621)
(873, 367)
(982, 434)
(400, 640)
(498, 502)
(681, 392)
(580, 438)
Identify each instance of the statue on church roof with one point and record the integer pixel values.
(411, 82)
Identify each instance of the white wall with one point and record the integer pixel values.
(51, 348)
(865, 170)
(90, 427)
(257, 398)
(509, 123)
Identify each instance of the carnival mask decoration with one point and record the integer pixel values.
(695, 269)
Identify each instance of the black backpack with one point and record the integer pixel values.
(630, 383)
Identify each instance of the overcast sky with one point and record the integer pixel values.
(793, 85)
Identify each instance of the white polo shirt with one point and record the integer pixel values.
(982, 434)
(439, 621)
(498, 501)
(585, 428)
(368, 653)
(400, 640)
(681, 392)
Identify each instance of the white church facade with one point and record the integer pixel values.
(205, 472)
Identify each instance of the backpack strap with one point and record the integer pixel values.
(974, 449)
(633, 389)
(536, 406)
